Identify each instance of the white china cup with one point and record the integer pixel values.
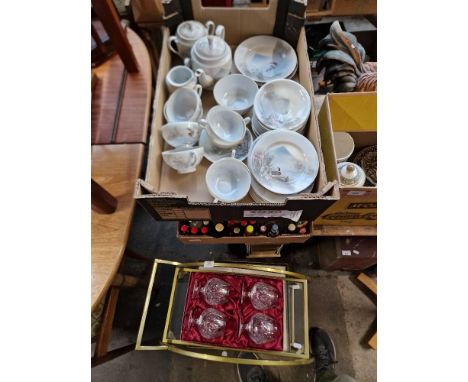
(225, 127)
(183, 48)
(228, 180)
(181, 133)
(184, 159)
(180, 76)
(184, 105)
(236, 92)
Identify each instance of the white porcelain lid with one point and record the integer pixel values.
(191, 30)
(351, 174)
(210, 48)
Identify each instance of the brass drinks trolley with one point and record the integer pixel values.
(295, 349)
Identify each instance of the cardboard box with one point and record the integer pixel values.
(320, 8)
(347, 253)
(248, 240)
(355, 113)
(167, 195)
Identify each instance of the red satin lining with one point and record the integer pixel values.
(234, 311)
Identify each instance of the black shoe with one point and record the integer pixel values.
(323, 349)
(250, 373)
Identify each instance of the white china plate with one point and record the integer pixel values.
(265, 58)
(283, 162)
(282, 104)
(258, 129)
(261, 195)
(214, 153)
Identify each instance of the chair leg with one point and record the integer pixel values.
(101, 353)
(102, 341)
(106, 12)
(125, 281)
(137, 256)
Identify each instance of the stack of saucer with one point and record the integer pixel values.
(281, 104)
(282, 163)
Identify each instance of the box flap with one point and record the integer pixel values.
(240, 23)
(353, 111)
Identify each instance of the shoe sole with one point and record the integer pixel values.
(255, 356)
(333, 355)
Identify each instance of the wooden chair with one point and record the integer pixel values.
(119, 124)
(115, 169)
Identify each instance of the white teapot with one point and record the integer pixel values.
(210, 58)
(188, 32)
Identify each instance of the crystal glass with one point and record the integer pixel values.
(214, 292)
(261, 328)
(262, 296)
(211, 323)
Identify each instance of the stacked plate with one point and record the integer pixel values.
(281, 104)
(282, 163)
(367, 159)
(265, 58)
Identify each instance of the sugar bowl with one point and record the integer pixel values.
(212, 55)
(351, 175)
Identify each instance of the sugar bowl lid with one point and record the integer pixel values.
(210, 48)
(351, 174)
(191, 30)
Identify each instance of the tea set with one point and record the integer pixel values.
(255, 88)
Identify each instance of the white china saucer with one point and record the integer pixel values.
(214, 153)
(261, 195)
(258, 129)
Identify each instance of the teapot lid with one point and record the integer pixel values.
(191, 30)
(351, 174)
(210, 48)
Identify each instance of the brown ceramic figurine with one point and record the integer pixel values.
(344, 62)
